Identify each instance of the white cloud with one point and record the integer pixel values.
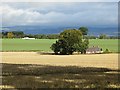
(59, 13)
(11, 16)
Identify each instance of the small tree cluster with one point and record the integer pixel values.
(20, 34)
(84, 30)
(10, 35)
(103, 36)
(70, 41)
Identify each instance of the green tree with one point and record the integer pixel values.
(84, 46)
(81, 47)
(103, 36)
(69, 42)
(18, 34)
(84, 30)
(56, 46)
(10, 35)
(0, 35)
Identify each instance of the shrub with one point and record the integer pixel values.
(107, 51)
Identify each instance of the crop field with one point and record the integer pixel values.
(41, 70)
(27, 45)
(34, 77)
(33, 70)
(44, 44)
(92, 60)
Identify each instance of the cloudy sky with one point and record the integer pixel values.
(59, 13)
(59, 0)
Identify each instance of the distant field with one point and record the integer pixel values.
(111, 44)
(44, 44)
(27, 45)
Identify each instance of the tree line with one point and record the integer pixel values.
(102, 36)
(21, 34)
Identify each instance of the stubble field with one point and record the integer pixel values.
(90, 60)
(32, 70)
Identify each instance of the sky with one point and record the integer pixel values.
(59, 0)
(60, 13)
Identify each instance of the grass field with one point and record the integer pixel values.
(44, 44)
(27, 45)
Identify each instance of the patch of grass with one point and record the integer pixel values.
(43, 76)
(45, 44)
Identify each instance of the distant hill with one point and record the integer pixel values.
(57, 29)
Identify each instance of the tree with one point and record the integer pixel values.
(84, 30)
(103, 36)
(10, 35)
(81, 47)
(68, 42)
(60, 47)
(57, 46)
(84, 46)
(18, 34)
(0, 35)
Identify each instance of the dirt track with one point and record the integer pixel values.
(94, 60)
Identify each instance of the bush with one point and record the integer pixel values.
(107, 51)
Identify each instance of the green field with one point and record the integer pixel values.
(111, 44)
(44, 44)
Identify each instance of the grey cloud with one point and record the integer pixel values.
(59, 13)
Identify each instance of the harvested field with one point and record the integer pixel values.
(93, 60)
(32, 69)
(34, 77)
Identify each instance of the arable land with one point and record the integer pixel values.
(88, 60)
(45, 44)
(33, 70)
(41, 69)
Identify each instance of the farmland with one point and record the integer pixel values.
(92, 60)
(38, 70)
(44, 44)
(33, 70)
(34, 76)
